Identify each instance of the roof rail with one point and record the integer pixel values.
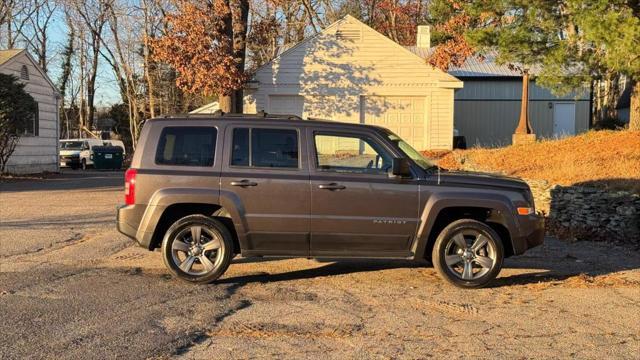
(220, 113)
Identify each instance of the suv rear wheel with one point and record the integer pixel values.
(197, 249)
(468, 254)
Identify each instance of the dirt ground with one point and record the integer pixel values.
(72, 287)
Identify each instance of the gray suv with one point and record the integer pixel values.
(204, 189)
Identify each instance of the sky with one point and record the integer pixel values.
(107, 92)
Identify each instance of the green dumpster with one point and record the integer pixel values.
(107, 157)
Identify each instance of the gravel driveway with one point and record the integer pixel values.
(72, 287)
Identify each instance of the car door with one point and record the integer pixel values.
(268, 178)
(357, 208)
(86, 152)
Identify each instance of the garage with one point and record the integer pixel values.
(286, 104)
(405, 116)
(370, 80)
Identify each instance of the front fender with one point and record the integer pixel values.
(500, 205)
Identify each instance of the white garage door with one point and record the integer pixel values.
(286, 104)
(404, 115)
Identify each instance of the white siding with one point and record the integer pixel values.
(333, 72)
(36, 153)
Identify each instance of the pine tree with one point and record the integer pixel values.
(572, 41)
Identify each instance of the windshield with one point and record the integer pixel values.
(412, 153)
(71, 145)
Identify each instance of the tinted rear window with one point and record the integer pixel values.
(186, 146)
(273, 148)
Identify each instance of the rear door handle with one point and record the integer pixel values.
(244, 183)
(332, 186)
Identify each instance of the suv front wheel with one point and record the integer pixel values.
(197, 249)
(468, 253)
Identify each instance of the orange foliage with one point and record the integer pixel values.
(396, 19)
(199, 46)
(456, 49)
(608, 159)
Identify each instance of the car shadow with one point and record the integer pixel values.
(555, 261)
(342, 267)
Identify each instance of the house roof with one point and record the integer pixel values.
(6, 55)
(283, 50)
(206, 108)
(474, 66)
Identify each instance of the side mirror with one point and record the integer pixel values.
(400, 167)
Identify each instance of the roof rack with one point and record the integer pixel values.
(220, 113)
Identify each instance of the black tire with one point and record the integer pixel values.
(446, 248)
(83, 164)
(209, 226)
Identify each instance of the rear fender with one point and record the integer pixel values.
(162, 199)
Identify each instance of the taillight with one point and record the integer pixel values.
(130, 186)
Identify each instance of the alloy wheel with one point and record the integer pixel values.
(197, 250)
(470, 254)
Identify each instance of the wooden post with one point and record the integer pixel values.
(524, 134)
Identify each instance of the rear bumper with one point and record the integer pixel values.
(128, 223)
(121, 223)
(530, 234)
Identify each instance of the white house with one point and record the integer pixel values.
(37, 150)
(350, 72)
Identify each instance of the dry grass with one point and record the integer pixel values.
(606, 159)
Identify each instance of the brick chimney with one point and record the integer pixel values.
(423, 37)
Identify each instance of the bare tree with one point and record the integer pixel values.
(15, 16)
(66, 67)
(94, 15)
(36, 30)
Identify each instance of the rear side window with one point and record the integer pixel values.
(271, 148)
(186, 146)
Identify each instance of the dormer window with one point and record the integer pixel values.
(24, 72)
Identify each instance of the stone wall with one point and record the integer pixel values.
(585, 213)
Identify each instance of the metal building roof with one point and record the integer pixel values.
(474, 66)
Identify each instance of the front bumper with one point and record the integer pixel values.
(531, 233)
(69, 161)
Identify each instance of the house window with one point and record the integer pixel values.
(36, 121)
(24, 72)
(31, 127)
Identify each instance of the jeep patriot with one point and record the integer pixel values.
(205, 188)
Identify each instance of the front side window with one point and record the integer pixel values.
(268, 148)
(186, 146)
(350, 154)
(412, 153)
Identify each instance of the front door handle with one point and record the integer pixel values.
(244, 183)
(332, 186)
